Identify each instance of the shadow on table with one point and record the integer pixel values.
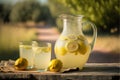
(104, 57)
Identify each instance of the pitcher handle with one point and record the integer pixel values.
(94, 33)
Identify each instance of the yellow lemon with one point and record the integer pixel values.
(83, 47)
(72, 37)
(55, 65)
(81, 37)
(46, 49)
(63, 38)
(21, 64)
(60, 50)
(72, 46)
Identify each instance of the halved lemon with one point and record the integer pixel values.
(26, 46)
(83, 47)
(46, 49)
(72, 46)
(81, 37)
(63, 38)
(72, 37)
(60, 50)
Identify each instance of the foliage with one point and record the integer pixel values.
(27, 10)
(46, 14)
(57, 7)
(104, 13)
(10, 35)
(30, 10)
(4, 12)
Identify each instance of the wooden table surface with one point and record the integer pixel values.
(91, 71)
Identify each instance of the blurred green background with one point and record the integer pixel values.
(20, 20)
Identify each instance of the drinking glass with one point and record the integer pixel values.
(26, 51)
(42, 51)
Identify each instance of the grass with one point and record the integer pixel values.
(106, 44)
(10, 35)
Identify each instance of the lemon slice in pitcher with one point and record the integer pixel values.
(81, 37)
(83, 48)
(72, 46)
(60, 50)
(72, 37)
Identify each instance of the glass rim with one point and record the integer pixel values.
(41, 43)
(25, 42)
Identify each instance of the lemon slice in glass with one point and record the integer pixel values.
(45, 49)
(27, 47)
(72, 46)
(38, 50)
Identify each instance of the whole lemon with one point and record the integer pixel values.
(21, 64)
(55, 65)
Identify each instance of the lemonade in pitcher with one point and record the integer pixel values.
(72, 47)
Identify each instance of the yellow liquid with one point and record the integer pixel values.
(27, 52)
(71, 60)
(42, 57)
(73, 52)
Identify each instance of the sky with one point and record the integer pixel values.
(14, 1)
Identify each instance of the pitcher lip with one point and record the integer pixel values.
(65, 16)
(79, 17)
(68, 16)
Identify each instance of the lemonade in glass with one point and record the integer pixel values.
(26, 52)
(42, 51)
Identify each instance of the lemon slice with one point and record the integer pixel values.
(63, 38)
(26, 46)
(72, 37)
(81, 37)
(38, 50)
(45, 49)
(55, 65)
(60, 50)
(21, 64)
(72, 46)
(34, 43)
(82, 48)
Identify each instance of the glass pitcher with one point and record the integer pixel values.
(72, 47)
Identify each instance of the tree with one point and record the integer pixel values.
(104, 13)
(57, 7)
(30, 10)
(26, 10)
(5, 10)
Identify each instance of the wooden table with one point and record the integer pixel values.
(91, 71)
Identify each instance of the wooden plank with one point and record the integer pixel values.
(91, 71)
